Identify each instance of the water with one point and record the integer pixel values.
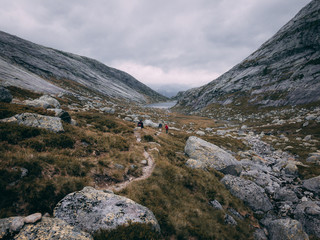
(162, 105)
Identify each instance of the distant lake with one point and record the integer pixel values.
(163, 105)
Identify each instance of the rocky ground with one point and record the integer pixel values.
(269, 160)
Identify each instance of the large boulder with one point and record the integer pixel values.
(207, 155)
(249, 192)
(53, 124)
(286, 229)
(44, 101)
(92, 210)
(150, 123)
(312, 184)
(108, 110)
(308, 213)
(45, 228)
(64, 115)
(5, 95)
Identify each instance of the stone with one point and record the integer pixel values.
(291, 168)
(259, 234)
(92, 210)
(307, 138)
(149, 123)
(128, 119)
(286, 229)
(208, 155)
(230, 220)
(8, 226)
(308, 213)
(53, 124)
(64, 115)
(51, 228)
(108, 110)
(33, 218)
(249, 192)
(44, 101)
(312, 184)
(234, 170)
(5, 95)
(285, 194)
(17, 224)
(200, 133)
(215, 204)
(144, 162)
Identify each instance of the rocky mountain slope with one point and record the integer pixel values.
(285, 70)
(34, 67)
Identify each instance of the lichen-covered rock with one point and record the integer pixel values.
(150, 123)
(44, 101)
(51, 228)
(207, 155)
(108, 110)
(92, 210)
(286, 229)
(5, 95)
(36, 120)
(64, 115)
(248, 191)
(312, 184)
(308, 213)
(9, 226)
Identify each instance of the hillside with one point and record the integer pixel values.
(34, 67)
(285, 70)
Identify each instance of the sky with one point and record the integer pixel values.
(162, 43)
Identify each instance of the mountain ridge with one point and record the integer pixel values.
(36, 67)
(283, 71)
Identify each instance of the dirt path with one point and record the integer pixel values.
(146, 170)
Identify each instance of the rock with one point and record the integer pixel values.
(36, 120)
(51, 228)
(149, 123)
(286, 229)
(108, 110)
(44, 102)
(128, 119)
(305, 124)
(9, 226)
(200, 133)
(234, 170)
(230, 220)
(312, 184)
(33, 218)
(307, 138)
(308, 213)
(259, 235)
(310, 117)
(5, 95)
(215, 204)
(92, 210)
(208, 155)
(285, 194)
(314, 157)
(235, 213)
(252, 194)
(64, 115)
(144, 162)
(291, 168)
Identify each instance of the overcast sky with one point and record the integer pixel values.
(188, 42)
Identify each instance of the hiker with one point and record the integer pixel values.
(140, 124)
(160, 127)
(167, 128)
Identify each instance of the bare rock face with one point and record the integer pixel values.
(92, 210)
(36, 120)
(283, 71)
(249, 192)
(286, 229)
(207, 155)
(5, 95)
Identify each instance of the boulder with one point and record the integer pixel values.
(215, 204)
(286, 229)
(108, 110)
(64, 115)
(5, 95)
(259, 234)
(36, 120)
(312, 184)
(92, 210)
(285, 194)
(149, 123)
(208, 155)
(229, 220)
(249, 192)
(9, 226)
(308, 213)
(234, 170)
(44, 102)
(51, 228)
(200, 133)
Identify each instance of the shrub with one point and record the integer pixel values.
(148, 138)
(60, 141)
(14, 133)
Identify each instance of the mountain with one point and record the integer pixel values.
(31, 66)
(285, 70)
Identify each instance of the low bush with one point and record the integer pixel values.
(148, 138)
